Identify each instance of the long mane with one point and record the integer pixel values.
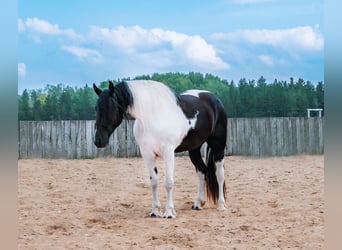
(150, 98)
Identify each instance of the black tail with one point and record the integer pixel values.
(211, 180)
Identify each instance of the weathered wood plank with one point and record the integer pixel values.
(132, 147)
(89, 139)
(23, 140)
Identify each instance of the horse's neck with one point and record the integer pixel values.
(151, 96)
(151, 112)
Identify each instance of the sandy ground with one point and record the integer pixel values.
(273, 203)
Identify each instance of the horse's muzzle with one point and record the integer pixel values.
(98, 143)
(101, 140)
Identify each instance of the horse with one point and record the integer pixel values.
(166, 123)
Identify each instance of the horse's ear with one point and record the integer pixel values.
(111, 88)
(96, 89)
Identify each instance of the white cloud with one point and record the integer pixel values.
(268, 60)
(198, 51)
(127, 38)
(39, 26)
(134, 42)
(21, 69)
(190, 49)
(86, 54)
(302, 37)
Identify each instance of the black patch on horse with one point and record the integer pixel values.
(186, 103)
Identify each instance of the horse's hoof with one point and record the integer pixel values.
(170, 214)
(222, 207)
(198, 204)
(168, 217)
(195, 207)
(155, 214)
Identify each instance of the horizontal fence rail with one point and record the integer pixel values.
(246, 136)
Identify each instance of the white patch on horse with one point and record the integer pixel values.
(200, 200)
(220, 179)
(194, 92)
(192, 121)
(158, 116)
(159, 128)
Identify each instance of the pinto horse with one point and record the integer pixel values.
(166, 123)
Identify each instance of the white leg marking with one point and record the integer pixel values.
(150, 162)
(200, 200)
(155, 200)
(169, 159)
(220, 180)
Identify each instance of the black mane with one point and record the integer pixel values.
(123, 96)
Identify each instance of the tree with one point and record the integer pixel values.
(320, 95)
(247, 101)
(52, 109)
(38, 100)
(66, 104)
(24, 107)
(249, 98)
(85, 101)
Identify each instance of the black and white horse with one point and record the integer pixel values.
(166, 123)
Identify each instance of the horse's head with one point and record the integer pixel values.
(109, 115)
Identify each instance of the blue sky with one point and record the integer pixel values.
(81, 42)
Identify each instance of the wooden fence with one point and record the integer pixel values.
(246, 136)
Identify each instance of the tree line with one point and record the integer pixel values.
(246, 98)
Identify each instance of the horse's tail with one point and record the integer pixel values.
(211, 180)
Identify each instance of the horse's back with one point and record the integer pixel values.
(211, 118)
(206, 100)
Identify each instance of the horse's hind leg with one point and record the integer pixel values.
(220, 180)
(196, 159)
(217, 149)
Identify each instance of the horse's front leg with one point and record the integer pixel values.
(169, 159)
(150, 161)
(154, 185)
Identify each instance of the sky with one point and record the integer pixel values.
(82, 42)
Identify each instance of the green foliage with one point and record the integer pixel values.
(57, 103)
(24, 112)
(247, 98)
